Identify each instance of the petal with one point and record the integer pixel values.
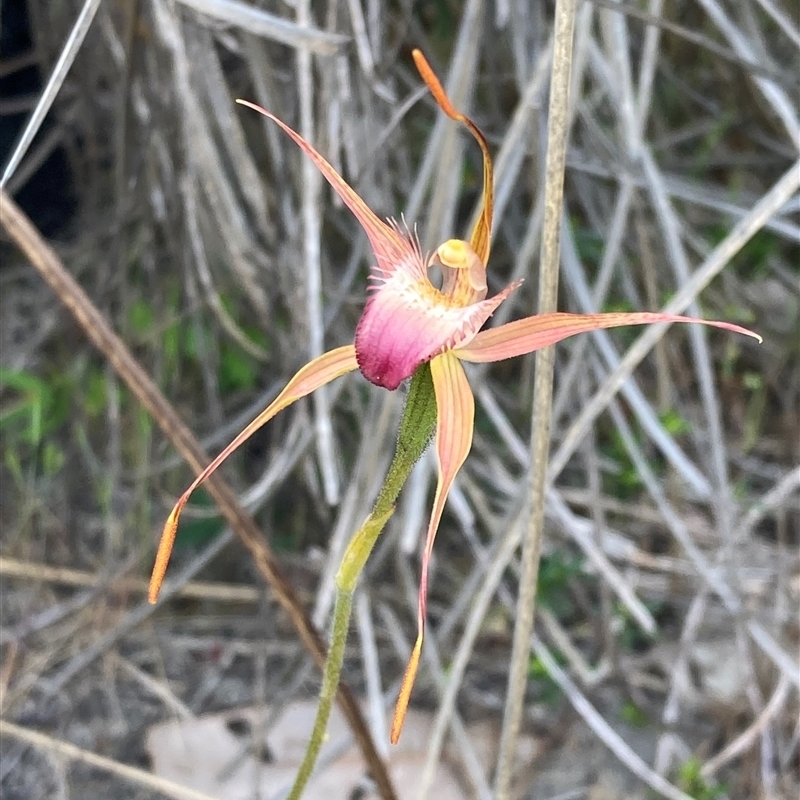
(482, 233)
(455, 408)
(392, 249)
(316, 373)
(533, 333)
(407, 322)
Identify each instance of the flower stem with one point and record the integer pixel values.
(416, 430)
(361, 543)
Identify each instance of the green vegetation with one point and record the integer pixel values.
(185, 343)
(555, 572)
(634, 715)
(37, 411)
(32, 409)
(625, 482)
(691, 781)
(546, 689)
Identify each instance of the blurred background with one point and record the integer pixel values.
(670, 579)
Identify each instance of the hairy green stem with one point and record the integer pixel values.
(358, 550)
(416, 430)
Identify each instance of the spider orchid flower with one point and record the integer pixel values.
(408, 322)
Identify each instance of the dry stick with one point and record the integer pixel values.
(456, 86)
(47, 143)
(474, 772)
(772, 92)
(155, 687)
(202, 590)
(495, 564)
(769, 501)
(205, 159)
(606, 633)
(693, 193)
(708, 570)
(54, 83)
(311, 192)
(459, 87)
(655, 22)
(498, 562)
(557, 134)
(47, 263)
(261, 23)
(780, 193)
(723, 494)
(372, 668)
(136, 616)
(782, 19)
(604, 732)
(485, 590)
(745, 740)
(135, 775)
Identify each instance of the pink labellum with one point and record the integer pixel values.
(407, 322)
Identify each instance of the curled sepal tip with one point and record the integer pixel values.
(482, 233)
(405, 691)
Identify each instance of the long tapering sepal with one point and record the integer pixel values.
(532, 333)
(455, 419)
(316, 373)
(389, 245)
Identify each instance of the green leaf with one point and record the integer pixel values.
(547, 690)
(53, 459)
(171, 339)
(674, 423)
(691, 781)
(141, 318)
(30, 396)
(95, 393)
(555, 572)
(633, 715)
(38, 406)
(238, 371)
